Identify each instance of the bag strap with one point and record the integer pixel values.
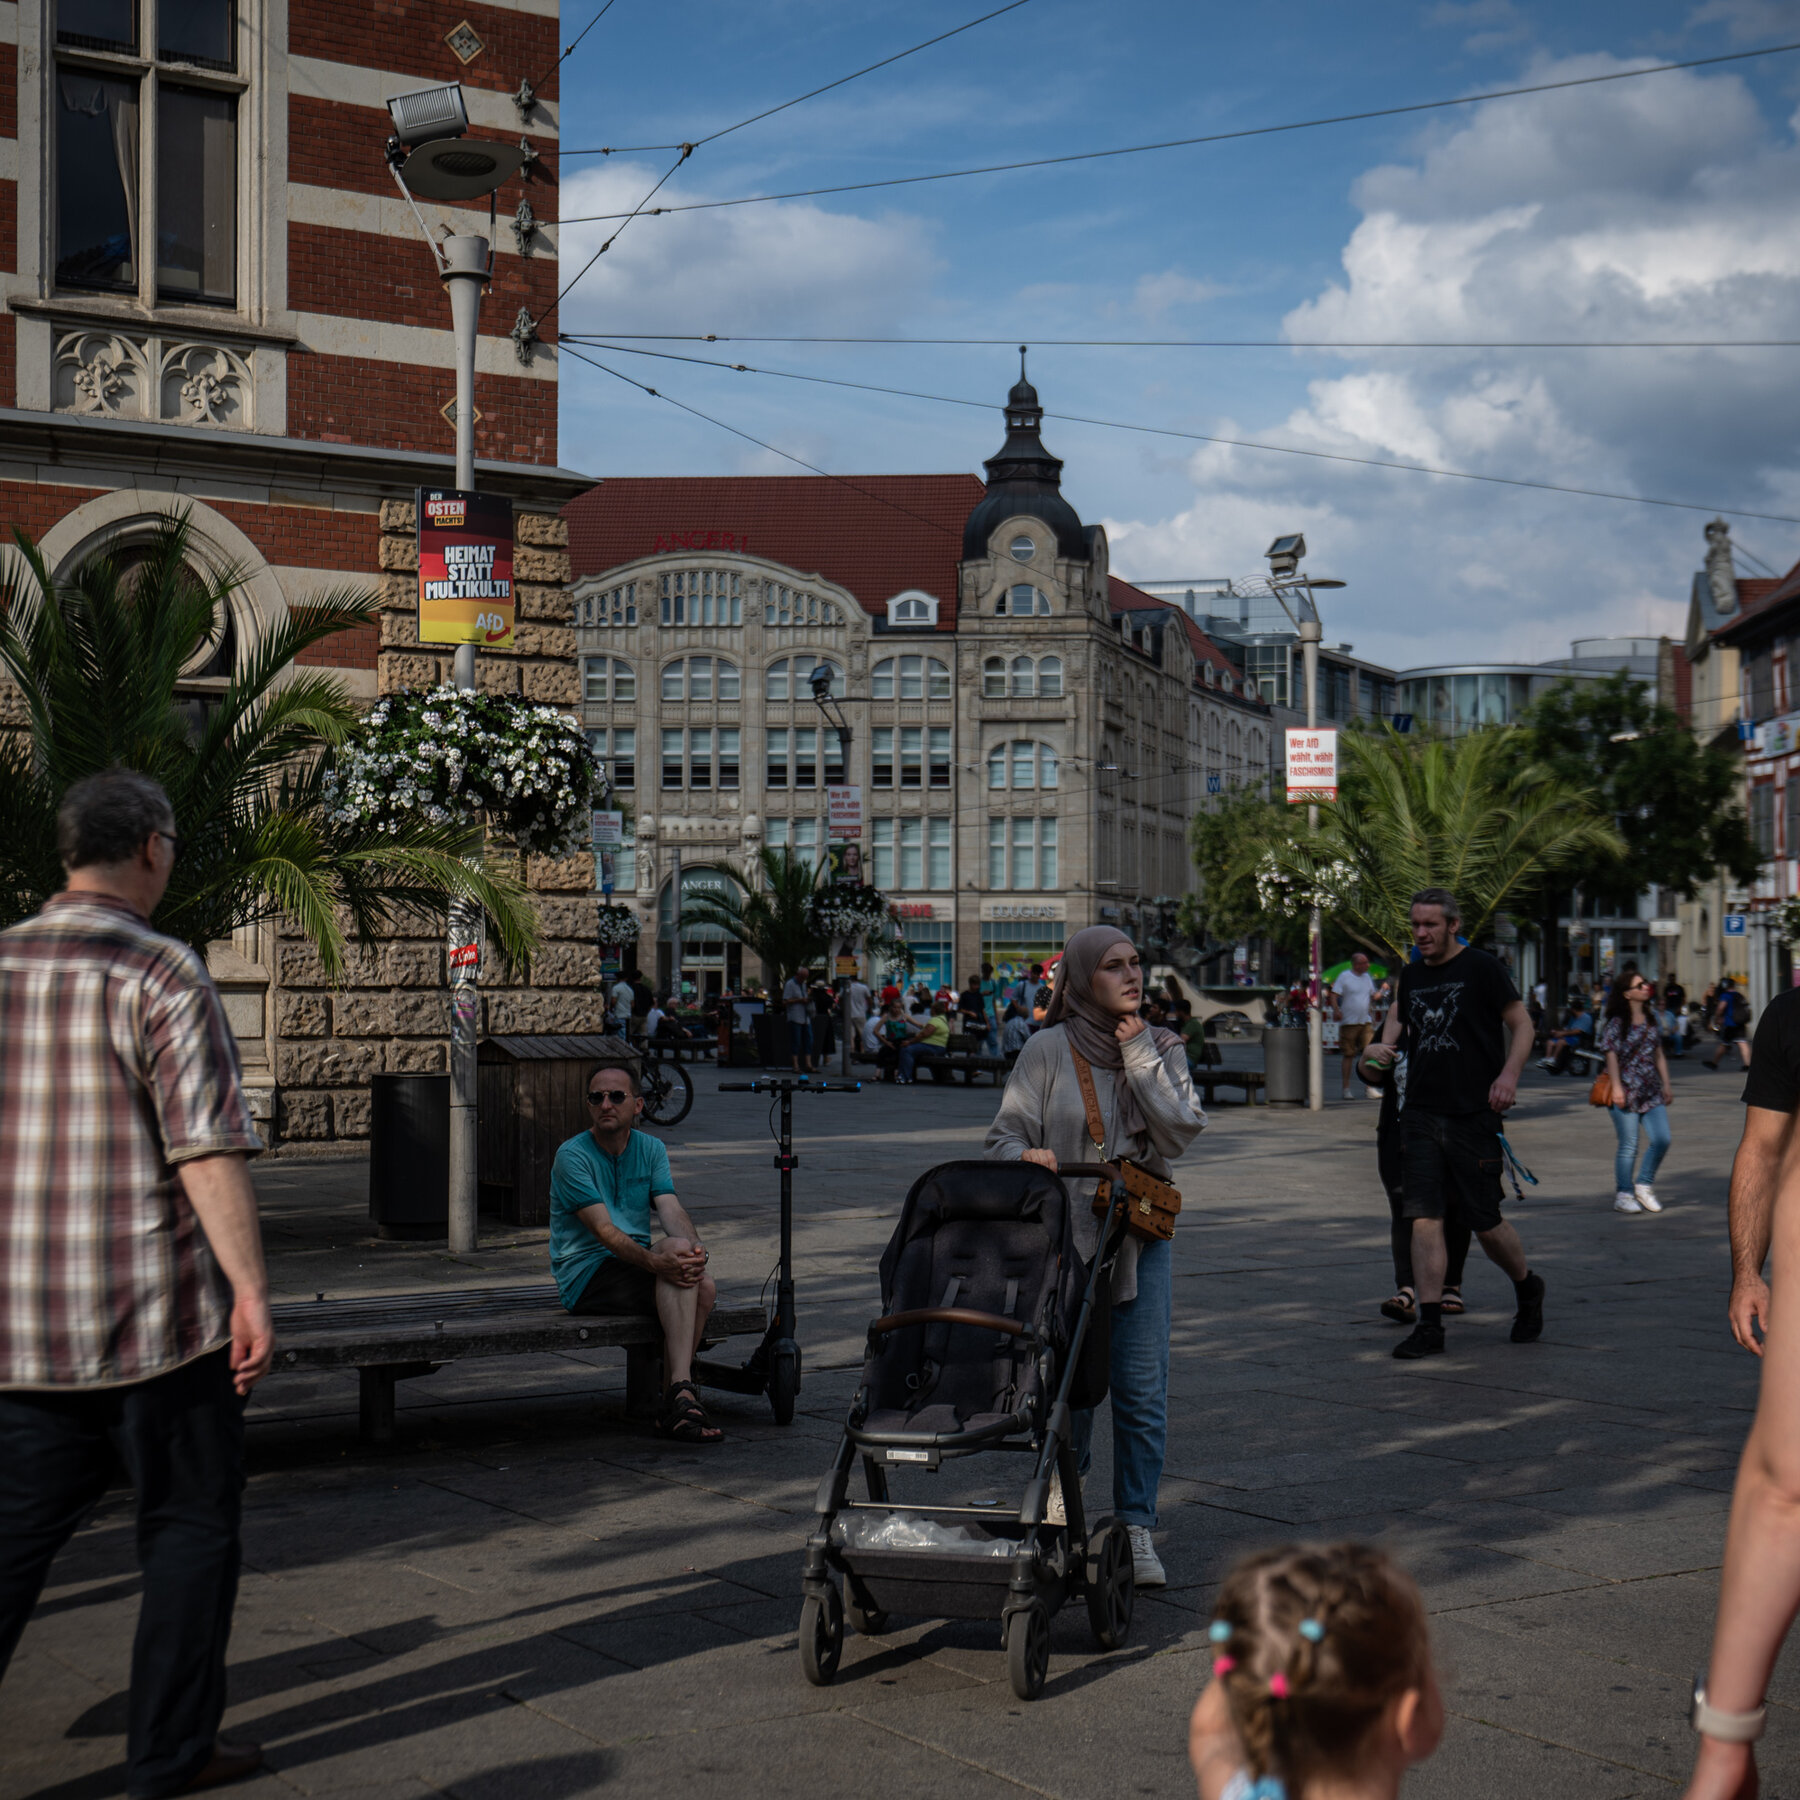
(1090, 1102)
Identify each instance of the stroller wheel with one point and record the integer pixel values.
(864, 1621)
(1110, 1587)
(1028, 1649)
(821, 1637)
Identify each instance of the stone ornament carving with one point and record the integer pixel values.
(1721, 578)
(112, 375)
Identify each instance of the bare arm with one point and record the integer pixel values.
(218, 1189)
(1751, 1219)
(669, 1264)
(1506, 1087)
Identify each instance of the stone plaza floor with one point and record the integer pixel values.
(530, 1599)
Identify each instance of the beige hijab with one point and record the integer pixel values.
(1091, 1026)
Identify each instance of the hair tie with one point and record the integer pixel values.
(1223, 1665)
(1219, 1631)
(1278, 1686)
(1312, 1630)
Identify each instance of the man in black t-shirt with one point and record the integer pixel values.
(1459, 1009)
(1771, 1096)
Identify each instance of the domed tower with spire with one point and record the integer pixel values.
(1025, 550)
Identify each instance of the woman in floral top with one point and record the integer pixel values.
(1632, 1041)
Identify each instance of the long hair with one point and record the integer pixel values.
(1618, 1006)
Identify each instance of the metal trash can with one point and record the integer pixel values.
(409, 1155)
(1284, 1063)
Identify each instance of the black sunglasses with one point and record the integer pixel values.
(617, 1096)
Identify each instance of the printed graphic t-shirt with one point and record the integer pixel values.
(1456, 1042)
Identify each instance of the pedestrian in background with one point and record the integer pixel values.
(1632, 1042)
(1674, 1002)
(798, 1012)
(1729, 1023)
(134, 1308)
(1354, 991)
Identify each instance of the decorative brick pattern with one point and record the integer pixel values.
(407, 36)
(394, 406)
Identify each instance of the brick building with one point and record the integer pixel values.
(1031, 733)
(279, 367)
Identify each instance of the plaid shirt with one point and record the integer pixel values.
(116, 1064)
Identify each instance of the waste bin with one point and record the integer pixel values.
(1284, 1062)
(771, 1039)
(409, 1155)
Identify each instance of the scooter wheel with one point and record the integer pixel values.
(784, 1384)
(1110, 1587)
(821, 1638)
(1028, 1649)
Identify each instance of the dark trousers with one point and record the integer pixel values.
(1456, 1227)
(180, 1440)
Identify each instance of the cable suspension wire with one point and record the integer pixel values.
(687, 150)
(570, 49)
(719, 337)
(1213, 137)
(811, 94)
(1200, 437)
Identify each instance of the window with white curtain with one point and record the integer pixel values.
(1021, 854)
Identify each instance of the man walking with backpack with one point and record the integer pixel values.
(1468, 1035)
(1729, 1021)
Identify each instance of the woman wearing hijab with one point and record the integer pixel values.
(1151, 1114)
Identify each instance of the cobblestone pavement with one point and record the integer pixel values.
(529, 1599)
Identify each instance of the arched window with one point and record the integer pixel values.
(915, 607)
(1022, 601)
(1024, 677)
(909, 678)
(699, 678)
(783, 605)
(617, 606)
(606, 678)
(1022, 764)
(993, 678)
(701, 597)
(791, 678)
(1049, 674)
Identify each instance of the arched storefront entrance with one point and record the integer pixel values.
(710, 961)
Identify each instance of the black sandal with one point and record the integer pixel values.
(684, 1418)
(1401, 1309)
(1453, 1302)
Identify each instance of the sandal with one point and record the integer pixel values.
(684, 1418)
(1402, 1309)
(1453, 1301)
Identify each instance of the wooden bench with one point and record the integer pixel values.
(390, 1337)
(1208, 1081)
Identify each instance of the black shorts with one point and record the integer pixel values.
(618, 1290)
(1454, 1162)
(1730, 1034)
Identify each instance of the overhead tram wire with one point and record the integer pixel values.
(1213, 137)
(570, 49)
(1043, 343)
(1200, 437)
(769, 112)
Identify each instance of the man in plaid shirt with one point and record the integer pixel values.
(134, 1308)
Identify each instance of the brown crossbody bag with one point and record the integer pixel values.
(1151, 1203)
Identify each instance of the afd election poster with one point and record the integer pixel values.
(465, 568)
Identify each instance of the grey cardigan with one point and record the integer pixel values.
(1042, 1110)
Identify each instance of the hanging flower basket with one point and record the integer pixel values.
(454, 755)
(617, 925)
(848, 912)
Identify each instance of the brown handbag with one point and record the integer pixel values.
(1601, 1093)
(1151, 1203)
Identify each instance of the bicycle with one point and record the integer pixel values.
(668, 1091)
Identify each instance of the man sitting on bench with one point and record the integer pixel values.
(605, 1185)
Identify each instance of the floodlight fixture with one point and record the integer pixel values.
(434, 157)
(426, 113)
(1286, 554)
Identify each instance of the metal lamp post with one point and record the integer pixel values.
(833, 714)
(431, 159)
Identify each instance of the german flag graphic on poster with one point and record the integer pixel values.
(465, 568)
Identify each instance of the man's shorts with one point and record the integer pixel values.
(800, 1039)
(618, 1289)
(1730, 1034)
(1353, 1040)
(1453, 1161)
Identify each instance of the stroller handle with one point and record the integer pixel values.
(947, 1315)
(1092, 1171)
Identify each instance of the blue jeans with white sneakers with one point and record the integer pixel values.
(1652, 1130)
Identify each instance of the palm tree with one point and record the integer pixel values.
(1467, 814)
(97, 659)
(773, 920)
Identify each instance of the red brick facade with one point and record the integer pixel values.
(34, 509)
(395, 406)
(411, 36)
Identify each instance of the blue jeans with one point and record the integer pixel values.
(800, 1041)
(912, 1054)
(1655, 1135)
(1140, 1391)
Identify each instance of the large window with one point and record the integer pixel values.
(711, 759)
(620, 759)
(606, 678)
(700, 678)
(799, 837)
(1022, 764)
(617, 606)
(1762, 817)
(909, 678)
(911, 853)
(795, 606)
(1021, 854)
(1022, 678)
(1023, 601)
(909, 756)
(791, 678)
(702, 597)
(793, 758)
(119, 183)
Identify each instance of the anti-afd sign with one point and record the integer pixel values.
(1311, 764)
(465, 568)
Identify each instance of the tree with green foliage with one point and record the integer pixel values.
(1470, 814)
(1227, 845)
(98, 659)
(1677, 804)
(774, 920)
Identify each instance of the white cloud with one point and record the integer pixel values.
(1652, 209)
(1156, 295)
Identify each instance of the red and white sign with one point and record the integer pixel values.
(1311, 765)
(465, 956)
(843, 813)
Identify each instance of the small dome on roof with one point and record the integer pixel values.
(1024, 480)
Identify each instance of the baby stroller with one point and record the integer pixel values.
(993, 1330)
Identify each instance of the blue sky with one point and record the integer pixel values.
(1661, 207)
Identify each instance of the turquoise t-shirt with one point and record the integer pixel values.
(583, 1176)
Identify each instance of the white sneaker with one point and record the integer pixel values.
(1624, 1202)
(1645, 1195)
(1348, 1095)
(1146, 1566)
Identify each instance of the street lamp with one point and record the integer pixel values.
(832, 712)
(432, 157)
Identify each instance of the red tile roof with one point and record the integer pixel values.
(875, 535)
(1126, 598)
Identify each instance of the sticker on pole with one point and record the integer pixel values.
(1311, 765)
(465, 568)
(465, 956)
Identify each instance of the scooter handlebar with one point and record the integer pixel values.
(791, 1087)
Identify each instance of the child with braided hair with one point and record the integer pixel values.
(1322, 1684)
